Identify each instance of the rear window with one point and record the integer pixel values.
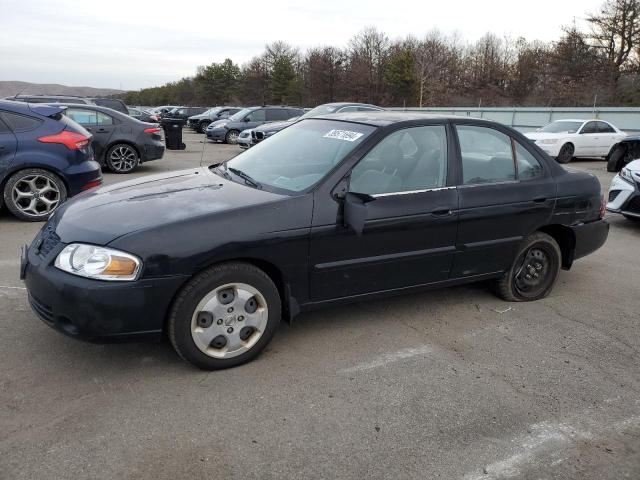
(110, 103)
(20, 123)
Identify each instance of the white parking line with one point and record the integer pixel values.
(387, 358)
(12, 288)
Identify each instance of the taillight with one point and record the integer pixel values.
(152, 130)
(603, 207)
(71, 140)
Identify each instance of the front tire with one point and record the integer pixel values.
(616, 160)
(202, 128)
(34, 194)
(232, 137)
(122, 158)
(224, 316)
(534, 271)
(566, 153)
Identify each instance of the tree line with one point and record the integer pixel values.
(600, 64)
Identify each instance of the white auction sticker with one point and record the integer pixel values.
(344, 135)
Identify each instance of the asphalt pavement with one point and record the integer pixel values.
(451, 384)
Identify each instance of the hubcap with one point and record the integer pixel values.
(35, 195)
(233, 137)
(532, 275)
(229, 320)
(123, 158)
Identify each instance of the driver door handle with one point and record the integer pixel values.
(442, 212)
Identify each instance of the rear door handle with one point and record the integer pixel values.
(540, 200)
(442, 212)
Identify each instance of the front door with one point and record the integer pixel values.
(410, 231)
(505, 194)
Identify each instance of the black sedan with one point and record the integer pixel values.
(120, 142)
(342, 208)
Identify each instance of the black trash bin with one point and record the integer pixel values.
(173, 133)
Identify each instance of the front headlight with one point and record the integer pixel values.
(99, 263)
(625, 174)
(548, 141)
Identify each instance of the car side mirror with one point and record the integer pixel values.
(356, 210)
(247, 119)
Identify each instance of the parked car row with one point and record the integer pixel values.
(201, 121)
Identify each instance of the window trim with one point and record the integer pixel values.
(410, 192)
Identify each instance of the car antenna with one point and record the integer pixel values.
(21, 91)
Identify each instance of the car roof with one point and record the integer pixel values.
(97, 108)
(386, 117)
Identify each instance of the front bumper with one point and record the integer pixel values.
(550, 149)
(94, 310)
(624, 198)
(217, 135)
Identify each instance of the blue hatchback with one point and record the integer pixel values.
(45, 157)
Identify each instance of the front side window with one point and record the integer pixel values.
(20, 123)
(590, 127)
(407, 160)
(487, 156)
(299, 156)
(256, 116)
(83, 117)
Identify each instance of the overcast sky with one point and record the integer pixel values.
(132, 44)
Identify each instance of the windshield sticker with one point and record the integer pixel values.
(344, 135)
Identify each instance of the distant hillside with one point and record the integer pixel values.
(8, 88)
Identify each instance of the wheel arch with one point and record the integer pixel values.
(289, 304)
(566, 239)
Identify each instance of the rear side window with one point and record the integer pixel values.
(104, 119)
(276, 114)
(487, 156)
(528, 166)
(3, 127)
(83, 117)
(294, 112)
(20, 123)
(605, 128)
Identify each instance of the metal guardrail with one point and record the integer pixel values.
(526, 119)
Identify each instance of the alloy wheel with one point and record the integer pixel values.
(123, 158)
(229, 320)
(35, 195)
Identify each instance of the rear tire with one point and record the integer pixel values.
(34, 194)
(566, 153)
(122, 158)
(213, 324)
(534, 271)
(202, 127)
(616, 160)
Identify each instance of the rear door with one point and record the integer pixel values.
(8, 146)
(100, 125)
(255, 119)
(505, 194)
(277, 114)
(608, 138)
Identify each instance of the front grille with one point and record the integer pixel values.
(613, 194)
(44, 311)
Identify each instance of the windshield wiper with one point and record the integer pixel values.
(247, 178)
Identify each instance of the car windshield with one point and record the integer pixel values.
(320, 110)
(299, 156)
(561, 127)
(238, 116)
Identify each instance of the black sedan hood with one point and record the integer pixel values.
(104, 214)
